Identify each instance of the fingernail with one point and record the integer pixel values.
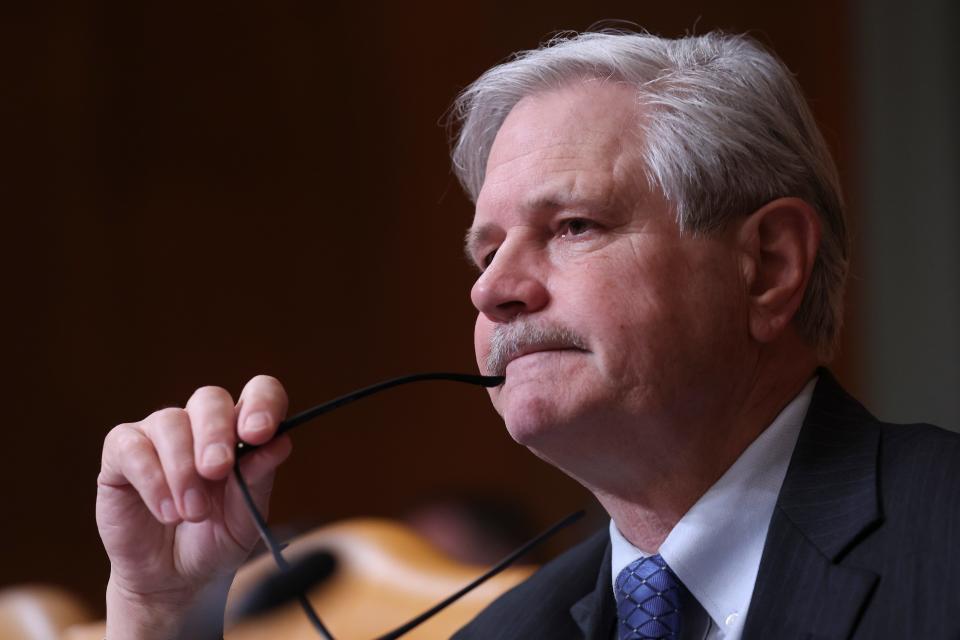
(215, 455)
(195, 503)
(168, 511)
(257, 423)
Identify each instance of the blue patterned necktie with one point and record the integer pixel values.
(648, 596)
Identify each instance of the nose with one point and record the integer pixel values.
(511, 286)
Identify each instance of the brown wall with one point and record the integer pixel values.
(196, 194)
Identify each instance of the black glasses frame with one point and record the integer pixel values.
(275, 549)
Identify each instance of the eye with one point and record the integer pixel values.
(575, 227)
(487, 259)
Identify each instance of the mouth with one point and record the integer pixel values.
(510, 342)
(535, 349)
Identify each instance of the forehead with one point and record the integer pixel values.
(575, 143)
(587, 112)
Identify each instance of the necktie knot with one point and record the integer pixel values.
(649, 596)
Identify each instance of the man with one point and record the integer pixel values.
(662, 248)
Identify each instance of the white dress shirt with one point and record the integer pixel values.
(716, 546)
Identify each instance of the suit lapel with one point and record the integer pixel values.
(828, 503)
(595, 612)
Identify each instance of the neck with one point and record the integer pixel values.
(659, 483)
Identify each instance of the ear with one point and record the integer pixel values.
(779, 244)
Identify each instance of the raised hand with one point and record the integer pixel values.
(170, 515)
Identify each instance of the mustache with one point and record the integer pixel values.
(518, 337)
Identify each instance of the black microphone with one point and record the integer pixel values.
(282, 587)
(204, 620)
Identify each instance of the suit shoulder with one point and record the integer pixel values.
(920, 448)
(919, 476)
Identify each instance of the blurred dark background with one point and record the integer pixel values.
(197, 193)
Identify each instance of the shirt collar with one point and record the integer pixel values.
(716, 546)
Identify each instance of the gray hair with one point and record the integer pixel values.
(725, 130)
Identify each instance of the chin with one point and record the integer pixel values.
(533, 422)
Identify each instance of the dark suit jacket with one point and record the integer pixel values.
(864, 542)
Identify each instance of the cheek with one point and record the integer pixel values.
(639, 317)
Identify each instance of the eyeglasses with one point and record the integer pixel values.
(275, 549)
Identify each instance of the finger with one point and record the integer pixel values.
(129, 458)
(263, 404)
(213, 419)
(258, 470)
(170, 432)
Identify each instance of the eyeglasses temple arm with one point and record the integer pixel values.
(500, 566)
(484, 381)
